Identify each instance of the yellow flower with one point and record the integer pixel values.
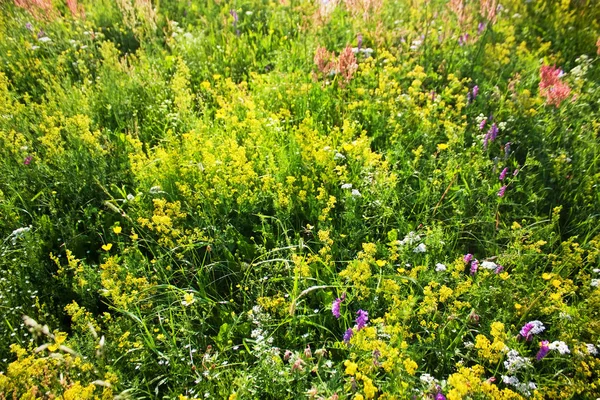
(188, 299)
(546, 276)
(410, 366)
(350, 367)
(117, 229)
(107, 247)
(518, 306)
(442, 146)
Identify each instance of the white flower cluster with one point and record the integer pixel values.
(560, 346)
(18, 234)
(523, 388)
(515, 362)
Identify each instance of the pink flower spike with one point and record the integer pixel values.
(503, 174)
(502, 191)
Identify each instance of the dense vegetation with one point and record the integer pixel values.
(332, 199)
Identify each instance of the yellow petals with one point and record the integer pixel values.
(107, 246)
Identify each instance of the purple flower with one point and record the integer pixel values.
(507, 149)
(29, 26)
(499, 269)
(544, 349)
(28, 160)
(440, 396)
(234, 14)
(531, 328)
(467, 258)
(335, 307)
(41, 34)
(348, 335)
(480, 28)
(462, 40)
(493, 132)
(482, 124)
(361, 319)
(475, 91)
(502, 191)
(359, 39)
(474, 266)
(516, 172)
(503, 174)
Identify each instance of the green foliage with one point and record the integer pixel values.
(189, 190)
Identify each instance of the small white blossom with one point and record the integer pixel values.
(560, 346)
(591, 349)
(347, 186)
(440, 267)
(421, 248)
(595, 282)
(356, 193)
(488, 265)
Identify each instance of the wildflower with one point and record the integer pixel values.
(503, 174)
(117, 229)
(107, 246)
(467, 258)
(307, 351)
(516, 171)
(551, 87)
(498, 269)
(502, 191)
(347, 64)
(298, 365)
(531, 328)
(439, 267)
(475, 91)
(595, 282)
(18, 234)
(335, 307)
(359, 39)
(361, 319)
(591, 349)
(287, 355)
(507, 149)
(474, 267)
(348, 335)
(356, 193)
(515, 362)
(487, 9)
(489, 265)
(560, 346)
(544, 349)
(462, 40)
(188, 299)
(44, 39)
(27, 160)
(421, 248)
(29, 26)
(480, 28)
(440, 396)
(324, 60)
(347, 186)
(482, 123)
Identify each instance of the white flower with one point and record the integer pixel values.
(595, 282)
(510, 380)
(488, 265)
(347, 186)
(440, 267)
(560, 346)
(426, 378)
(591, 349)
(356, 193)
(515, 362)
(155, 190)
(421, 248)
(596, 270)
(409, 239)
(18, 234)
(339, 156)
(44, 39)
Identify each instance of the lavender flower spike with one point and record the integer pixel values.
(503, 174)
(502, 191)
(348, 335)
(544, 349)
(361, 319)
(467, 258)
(335, 307)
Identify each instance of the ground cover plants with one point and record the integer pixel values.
(333, 199)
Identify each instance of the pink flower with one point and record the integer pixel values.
(503, 174)
(474, 267)
(551, 87)
(531, 328)
(467, 258)
(502, 191)
(28, 160)
(335, 308)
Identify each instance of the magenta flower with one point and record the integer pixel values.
(502, 191)
(482, 124)
(335, 307)
(531, 328)
(440, 396)
(480, 28)
(544, 349)
(499, 269)
(348, 335)
(467, 258)
(516, 172)
(28, 160)
(474, 266)
(361, 319)
(475, 91)
(503, 174)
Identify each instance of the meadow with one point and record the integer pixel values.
(285, 199)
